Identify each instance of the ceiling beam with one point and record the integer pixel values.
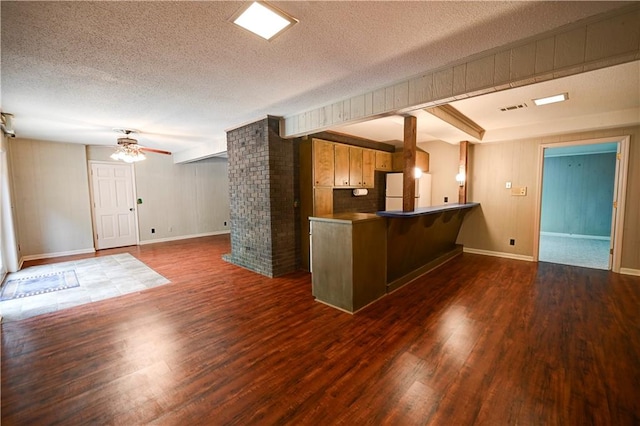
(450, 115)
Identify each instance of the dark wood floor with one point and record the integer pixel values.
(481, 340)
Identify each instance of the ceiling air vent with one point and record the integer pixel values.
(513, 107)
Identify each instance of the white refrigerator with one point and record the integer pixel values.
(394, 191)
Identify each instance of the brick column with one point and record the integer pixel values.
(262, 186)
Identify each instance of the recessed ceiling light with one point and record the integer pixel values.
(264, 20)
(551, 99)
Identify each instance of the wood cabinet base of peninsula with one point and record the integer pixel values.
(348, 259)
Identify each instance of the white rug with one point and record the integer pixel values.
(99, 277)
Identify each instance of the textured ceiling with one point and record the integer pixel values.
(182, 73)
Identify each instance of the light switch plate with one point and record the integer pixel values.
(519, 191)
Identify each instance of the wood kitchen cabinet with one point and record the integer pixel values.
(355, 166)
(341, 164)
(326, 165)
(368, 168)
(323, 163)
(361, 167)
(322, 201)
(384, 161)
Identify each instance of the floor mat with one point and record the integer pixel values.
(38, 284)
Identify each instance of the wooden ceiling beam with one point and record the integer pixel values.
(450, 115)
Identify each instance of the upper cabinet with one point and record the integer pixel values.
(342, 163)
(361, 167)
(355, 166)
(368, 168)
(384, 160)
(339, 165)
(323, 163)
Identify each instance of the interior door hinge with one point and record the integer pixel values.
(611, 251)
(615, 204)
(619, 156)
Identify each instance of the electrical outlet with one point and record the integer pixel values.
(446, 199)
(225, 223)
(508, 185)
(153, 230)
(512, 242)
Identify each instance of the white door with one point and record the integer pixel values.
(113, 205)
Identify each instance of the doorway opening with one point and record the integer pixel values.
(581, 203)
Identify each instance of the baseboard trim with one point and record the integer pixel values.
(630, 271)
(499, 254)
(57, 254)
(587, 237)
(183, 237)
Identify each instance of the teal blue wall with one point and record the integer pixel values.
(577, 194)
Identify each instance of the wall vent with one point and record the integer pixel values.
(513, 107)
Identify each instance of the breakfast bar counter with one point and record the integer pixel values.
(421, 240)
(357, 258)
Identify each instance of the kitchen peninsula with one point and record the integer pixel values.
(357, 258)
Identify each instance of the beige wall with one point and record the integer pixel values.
(178, 200)
(182, 199)
(502, 216)
(52, 199)
(51, 191)
(443, 166)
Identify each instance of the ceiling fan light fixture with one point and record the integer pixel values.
(129, 153)
(551, 99)
(264, 20)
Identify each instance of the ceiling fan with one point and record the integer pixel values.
(128, 149)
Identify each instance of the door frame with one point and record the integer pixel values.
(620, 192)
(92, 200)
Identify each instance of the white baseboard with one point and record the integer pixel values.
(588, 237)
(183, 237)
(57, 254)
(499, 254)
(624, 271)
(92, 250)
(629, 271)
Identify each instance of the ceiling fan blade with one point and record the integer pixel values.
(158, 151)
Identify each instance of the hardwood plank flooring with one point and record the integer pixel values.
(479, 341)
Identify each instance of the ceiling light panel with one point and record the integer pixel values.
(551, 99)
(264, 20)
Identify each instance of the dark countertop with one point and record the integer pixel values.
(345, 217)
(421, 211)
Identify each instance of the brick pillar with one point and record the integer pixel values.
(262, 186)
